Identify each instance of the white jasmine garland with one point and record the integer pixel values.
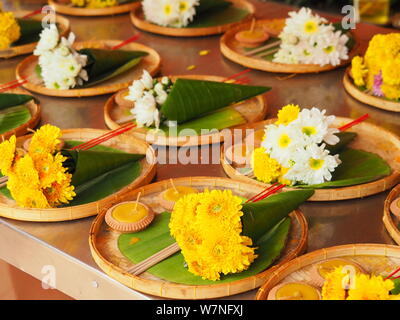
(170, 13)
(148, 96)
(309, 39)
(62, 67)
(49, 38)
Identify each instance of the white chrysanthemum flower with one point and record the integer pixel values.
(146, 112)
(303, 23)
(49, 38)
(313, 165)
(332, 49)
(316, 126)
(161, 12)
(187, 11)
(170, 13)
(281, 142)
(286, 56)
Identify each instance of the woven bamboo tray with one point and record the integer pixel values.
(253, 110)
(151, 63)
(232, 50)
(373, 258)
(391, 222)
(104, 248)
(9, 209)
(366, 98)
(137, 18)
(63, 27)
(370, 138)
(34, 108)
(66, 8)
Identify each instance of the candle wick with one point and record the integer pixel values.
(173, 186)
(137, 201)
(253, 22)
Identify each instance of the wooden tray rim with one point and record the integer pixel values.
(92, 208)
(174, 290)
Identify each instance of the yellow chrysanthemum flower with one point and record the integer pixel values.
(101, 3)
(391, 71)
(78, 3)
(265, 168)
(24, 185)
(288, 114)
(370, 288)
(44, 141)
(50, 169)
(391, 92)
(333, 288)
(359, 71)
(10, 30)
(7, 152)
(207, 227)
(60, 192)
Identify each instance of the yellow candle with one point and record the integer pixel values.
(129, 212)
(296, 291)
(174, 194)
(330, 265)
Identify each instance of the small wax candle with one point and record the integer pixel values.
(172, 195)
(294, 291)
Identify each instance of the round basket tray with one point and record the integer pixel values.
(366, 98)
(34, 109)
(126, 143)
(373, 258)
(370, 138)
(138, 20)
(63, 27)
(103, 245)
(391, 222)
(253, 110)
(151, 63)
(232, 50)
(66, 8)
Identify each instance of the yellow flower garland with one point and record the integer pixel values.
(94, 3)
(207, 227)
(359, 71)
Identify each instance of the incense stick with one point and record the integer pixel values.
(263, 48)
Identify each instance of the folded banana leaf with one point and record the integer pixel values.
(206, 6)
(13, 117)
(344, 139)
(11, 99)
(103, 185)
(190, 99)
(30, 31)
(271, 234)
(106, 64)
(90, 164)
(396, 289)
(219, 120)
(120, 2)
(218, 17)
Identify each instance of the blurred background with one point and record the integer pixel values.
(382, 12)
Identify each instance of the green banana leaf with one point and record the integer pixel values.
(103, 185)
(345, 138)
(219, 120)
(87, 165)
(30, 31)
(120, 2)
(222, 13)
(357, 167)
(190, 99)
(270, 244)
(396, 289)
(11, 99)
(13, 117)
(106, 64)
(206, 6)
